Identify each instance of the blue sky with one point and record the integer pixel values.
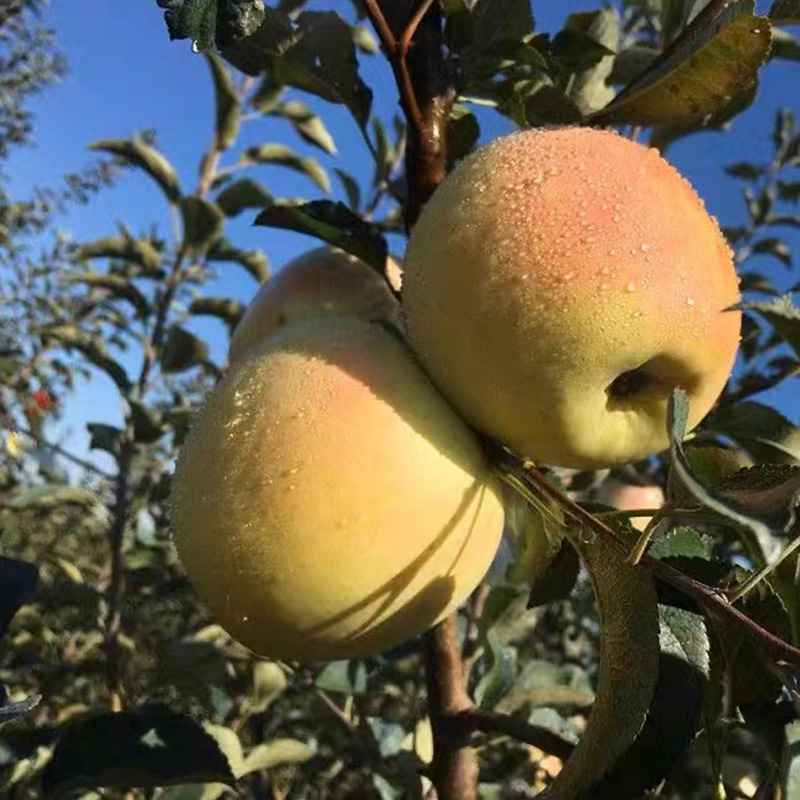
(125, 75)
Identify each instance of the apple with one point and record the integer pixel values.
(630, 497)
(322, 282)
(559, 284)
(328, 502)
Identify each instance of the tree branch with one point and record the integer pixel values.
(708, 597)
(455, 768)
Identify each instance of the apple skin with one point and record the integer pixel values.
(630, 497)
(549, 264)
(322, 282)
(328, 503)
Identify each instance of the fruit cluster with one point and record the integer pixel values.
(331, 500)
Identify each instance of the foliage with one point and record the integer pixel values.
(142, 692)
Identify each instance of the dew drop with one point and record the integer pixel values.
(195, 46)
(690, 301)
(631, 287)
(645, 248)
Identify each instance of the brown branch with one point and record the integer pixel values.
(424, 78)
(454, 770)
(708, 597)
(475, 720)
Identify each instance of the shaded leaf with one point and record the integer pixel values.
(462, 134)
(12, 711)
(577, 51)
(785, 12)
(675, 709)
(558, 579)
(351, 188)
(17, 583)
(202, 224)
(314, 53)
(147, 427)
(589, 88)
(629, 634)
(335, 224)
(759, 429)
(227, 104)
(182, 350)
(151, 746)
(700, 75)
(783, 315)
(138, 153)
(104, 437)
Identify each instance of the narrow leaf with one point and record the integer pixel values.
(227, 104)
(202, 224)
(335, 224)
(138, 153)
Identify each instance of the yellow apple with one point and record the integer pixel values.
(559, 284)
(328, 502)
(322, 282)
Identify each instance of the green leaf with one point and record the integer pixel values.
(148, 747)
(242, 194)
(307, 124)
(501, 674)
(548, 105)
(202, 224)
(784, 45)
(274, 753)
(18, 581)
(227, 104)
(229, 311)
(254, 261)
(182, 350)
(212, 23)
(790, 766)
(783, 315)
(675, 709)
(116, 285)
(284, 156)
(138, 153)
(314, 53)
(345, 677)
(335, 224)
(629, 635)
(139, 251)
(473, 26)
(269, 682)
(683, 542)
(698, 76)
